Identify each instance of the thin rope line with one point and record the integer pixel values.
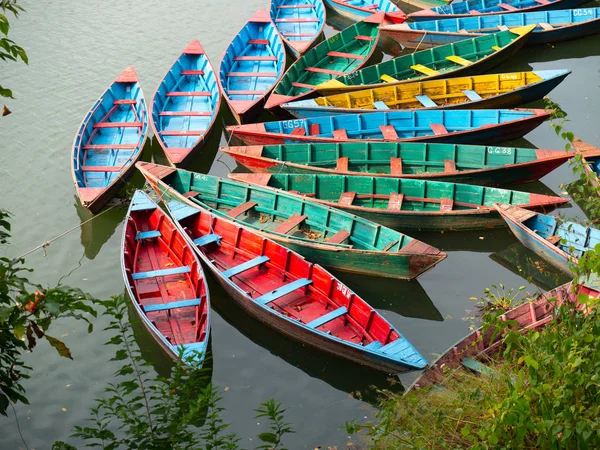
(18, 426)
(421, 41)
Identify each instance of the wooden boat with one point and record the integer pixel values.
(186, 104)
(406, 204)
(109, 142)
(477, 348)
(324, 235)
(590, 160)
(472, 164)
(252, 65)
(482, 126)
(488, 7)
(551, 26)
(503, 90)
(164, 280)
(294, 297)
(361, 9)
(341, 54)
(559, 242)
(468, 57)
(299, 22)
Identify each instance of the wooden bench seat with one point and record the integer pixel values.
(395, 166)
(346, 55)
(283, 290)
(192, 72)
(291, 223)
(339, 238)
(236, 270)
(426, 101)
(118, 125)
(446, 205)
(189, 94)
(323, 320)
(325, 71)
(347, 198)
(147, 235)
(438, 129)
(342, 164)
(395, 202)
(172, 305)
(389, 132)
(208, 239)
(241, 209)
(161, 273)
(255, 58)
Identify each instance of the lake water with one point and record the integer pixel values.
(76, 49)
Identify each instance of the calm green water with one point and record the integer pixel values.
(76, 49)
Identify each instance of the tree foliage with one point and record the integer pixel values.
(9, 50)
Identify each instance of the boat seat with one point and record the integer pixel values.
(192, 72)
(449, 165)
(291, 223)
(303, 85)
(389, 246)
(185, 113)
(363, 38)
(458, 60)
(180, 211)
(506, 7)
(472, 95)
(252, 74)
(553, 239)
(147, 235)
(124, 102)
(502, 27)
(299, 131)
(245, 92)
(340, 134)
(110, 146)
(395, 347)
(208, 239)
(495, 47)
(395, 202)
(387, 79)
(388, 132)
(446, 205)
(255, 58)
(380, 106)
(241, 209)
(346, 55)
(245, 266)
(426, 101)
(314, 129)
(339, 238)
(476, 366)
(300, 5)
(171, 305)
(258, 42)
(438, 128)
(337, 73)
(189, 94)
(101, 168)
(298, 20)
(395, 166)
(161, 273)
(463, 31)
(424, 70)
(342, 164)
(283, 290)
(320, 321)
(298, 34)
(546, 26)
(375, 345)
(182, 133)
(347, 198)
(372, 7)
(542, 2)
(143, 204)
(118, 125)
(474, 12)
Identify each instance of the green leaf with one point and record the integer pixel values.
(511, 419)
(531, 362)
(60, 347)
(268, 437)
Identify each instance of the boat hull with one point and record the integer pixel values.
(96, 205)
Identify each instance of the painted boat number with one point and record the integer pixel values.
(583, 12)
(344, 290)
(509, 76)
(296, 123)
(499, 151)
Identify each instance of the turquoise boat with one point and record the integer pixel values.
(299, 22)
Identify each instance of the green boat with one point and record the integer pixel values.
(341, 54)
(472, 164)
(324, 235)
(468, 57)
(406, 204)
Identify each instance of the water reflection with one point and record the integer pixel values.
(356, 380)
(484, 241)
(523, 262)
(407, 298)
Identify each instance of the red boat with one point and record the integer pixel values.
(164, 280)
(282, 290)
(472, 351)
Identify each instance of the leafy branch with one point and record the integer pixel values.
(9, 50)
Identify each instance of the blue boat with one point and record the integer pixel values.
(185, 105)
(591, 163)
(480, 126)
(252, 65)
(358, 10)
(551, 26)
(109, 142)
(503, 90)
(164, 279)
(300, 23)
(488, 7)
(559, 242)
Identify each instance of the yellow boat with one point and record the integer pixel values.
(504, 90)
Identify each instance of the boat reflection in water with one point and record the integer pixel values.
(523, 262)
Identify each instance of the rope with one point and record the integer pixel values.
(420, 42)
(46, 244)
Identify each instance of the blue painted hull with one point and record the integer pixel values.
(299, 27)
(358, 10)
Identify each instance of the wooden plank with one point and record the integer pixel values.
(446, 205)
(426, 101)
(161, 273)
(395, 166)
(241, 209)
(314, 129)
(390, 245)
(118, 125)
(124, 102)
(255, 58)
(258, 42)
(320, 321)
(171, 305)
(553, 239)
(546, 26)
(342, 164)
(101, 168)
(298, 20)
(208, 239)
(283, 290)
(236, 270)
(389, 132)
(252, 74)
(182, 133)
(189, 94)
(438, 129)
(110, 146)
(302, 85)
(506, 7)
(297, 6)
(340, 134)
(381, 106)
(300, 131)
(472, 95)
(458, 60)
(424, 69)
(147, 235)
(192, 72)
(291, 223)
(387, 79)
(337, 73)
(185, 113)
(395, 202)
(339, 237)
(449, 165)
(346, 55)
(363, 38)
(230, 93)
(347, 198)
